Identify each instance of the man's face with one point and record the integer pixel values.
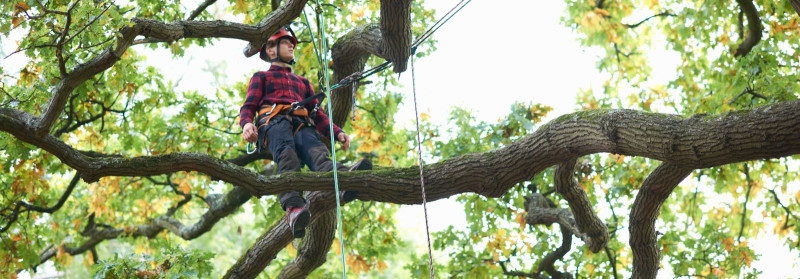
(287, 50)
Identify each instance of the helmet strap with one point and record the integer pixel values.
(278, 53)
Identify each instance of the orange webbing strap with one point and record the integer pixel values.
(272, 110)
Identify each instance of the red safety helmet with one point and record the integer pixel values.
(280, 34)
(283, 33)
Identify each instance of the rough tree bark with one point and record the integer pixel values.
(655, 190)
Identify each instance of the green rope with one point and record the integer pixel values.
(324, 47)
(313, 40)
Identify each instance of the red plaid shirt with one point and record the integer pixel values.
(279, 85)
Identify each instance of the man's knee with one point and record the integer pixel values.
(320, 158)
(288, 161)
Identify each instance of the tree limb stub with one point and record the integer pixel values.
(753, 27)
(644, 212)
(699, 142)
(396, 30)
(586, 219)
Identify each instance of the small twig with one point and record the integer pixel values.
(87, 25)
(747, 90)
(201, 8)
(746, 199)
(648, 18)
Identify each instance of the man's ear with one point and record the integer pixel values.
(271, 52)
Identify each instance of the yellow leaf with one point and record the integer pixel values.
(601, 12)
(240, 7)
(22, 6)
(424, 116)
(184, 187)
(291, 250)
(521, 221)
(728, 241)
(589, 269)
(381, 266)
(336, 246)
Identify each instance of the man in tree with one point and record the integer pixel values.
(287, 110)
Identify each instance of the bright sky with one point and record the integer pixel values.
(489, 56)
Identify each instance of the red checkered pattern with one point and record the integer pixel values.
(279, 85)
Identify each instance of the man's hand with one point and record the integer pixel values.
(345, 139)
(250, 134)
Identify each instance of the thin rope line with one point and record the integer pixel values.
(324, 47)
(443, 21)
(421, 177)
(437, 22)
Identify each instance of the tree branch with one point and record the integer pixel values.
(796, 6)
(542, 211)
(396, 31)
(202, 7)
(699, 142)
(753, 28)
(646, 207)
(746, 199)
(648, 18)
(18, 209)
(588, 222)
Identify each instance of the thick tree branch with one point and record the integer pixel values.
(753, 27)
(390, 40)
(588, 222)
(646, 207)
(349, 55)
(396, 32)
(698, 142)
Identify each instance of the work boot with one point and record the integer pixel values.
(298, 218)
(350, 195)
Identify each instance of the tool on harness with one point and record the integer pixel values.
(296, 113)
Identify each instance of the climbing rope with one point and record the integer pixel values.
(324, 59)
(421, 177)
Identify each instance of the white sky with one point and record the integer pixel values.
(510, 52)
